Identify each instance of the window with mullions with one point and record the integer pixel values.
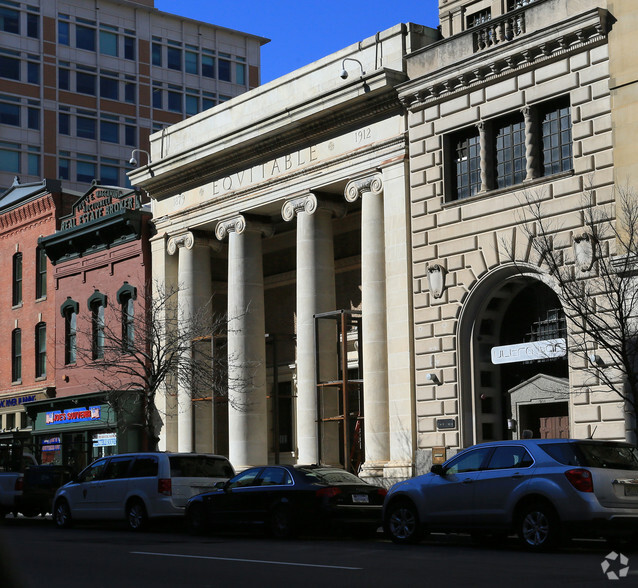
(16, 355)
(85, 127)
(69, 311)
(510, 152)
(40, 350)
(467, 164)
(479, 18)
(97, 305)
(40, 273)
(17, 279)
(556, 131)
(84, 38)
(174, 58)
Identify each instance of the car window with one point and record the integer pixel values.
(200, 466)
(275, 477)
(329, 476)
(117, 468)
(510, 457)
(470, 461)
(247, 478)
(145, 467)
(93, 472)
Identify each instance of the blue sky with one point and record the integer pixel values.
(303, 31)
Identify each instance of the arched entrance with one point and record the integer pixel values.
(513, 367)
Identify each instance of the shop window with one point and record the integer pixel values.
(16, 355)
(97, 305)
(10, 420)
(40, 350)
(69, 311)
(126, 296)
(17, 279)
(40, 273)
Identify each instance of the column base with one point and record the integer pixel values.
(386, 473)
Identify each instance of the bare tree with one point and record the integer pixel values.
(594, 272)
(136, 350)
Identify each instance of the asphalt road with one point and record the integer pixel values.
(35, 554)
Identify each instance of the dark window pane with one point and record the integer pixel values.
(9, 20)
(9, 68)
(109, 132)
(109, 88)
(174, 58)
(10, 114)
(84, 38)
(224, 70)
(85, 127)
(64, 124)
(129, 48)
(85, 83)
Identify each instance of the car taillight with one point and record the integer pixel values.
(382, 491)
(329, 492)
(164, 486)
(580, 479)
(19, 484)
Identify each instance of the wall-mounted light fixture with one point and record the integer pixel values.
(596, 360)
(432, 378)
(133, 161)
(344, 73)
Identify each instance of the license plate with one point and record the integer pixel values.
(360, 498)
(631, 489)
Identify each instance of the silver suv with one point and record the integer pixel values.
(137, 487)
(542, 489)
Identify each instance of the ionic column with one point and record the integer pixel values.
(247, 416)
(530, 144)
(315, 294)
(373, 307)
(194, 298)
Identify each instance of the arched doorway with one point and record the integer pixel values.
(507, 380)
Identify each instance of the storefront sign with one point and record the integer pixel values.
(51, 444)
(100, 203)
(549, 349)
(9, 402)
(105, 440)
(73, 415)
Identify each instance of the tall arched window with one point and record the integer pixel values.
(97, 304)
(125, 297)
(16, 355)
(40, 350)
(69, 311)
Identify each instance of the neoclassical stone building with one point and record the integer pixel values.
(363, 233)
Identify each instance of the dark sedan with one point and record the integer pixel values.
(287, 500)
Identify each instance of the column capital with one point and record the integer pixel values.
(356, 188)
(188, 240)
(310, 203)
(239, 224)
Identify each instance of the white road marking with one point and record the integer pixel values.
(259, 561)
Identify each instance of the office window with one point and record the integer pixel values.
(85, 83)
(174, 58)
(156, 54)
(64, 35)
(175, 101)
(84, 38)
(86, 171)
(64, 79)
(129, 48)
(130, 93)
(16, 355)
(207, 103)
(85, 127)
(33, 72)
(556, 129)
(157, 98)
(510, 152)
(33, 161)
(33, 25)
(10, 157)
(208, 66)
(70, 313)
(16, 298)
(109, 132)
(109, 175)
(130, 135)
(109, 88)
(10, 114)
(64, 168)
(64, 123)
(33, 118)
(191, 62)
(467, 164)
(9, 68)
(40, 273)
(224, 70)
(9, 20)
(240, 73)
(40, 350)
(192, 104)
(108, 43)
(97, 305)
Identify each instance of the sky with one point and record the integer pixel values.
(302, 31)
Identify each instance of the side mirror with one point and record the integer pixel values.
(438, 469)
(220, 485)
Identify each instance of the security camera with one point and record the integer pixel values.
(344, 74)
(133, 161)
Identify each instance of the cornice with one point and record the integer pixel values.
(484, 68)
(27, 213)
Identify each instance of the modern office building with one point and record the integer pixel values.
(364, 232)
(83, 84)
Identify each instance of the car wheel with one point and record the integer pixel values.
(538, 526)
(281, 523)
(136, 515)
(195, 522)
(62, 514)
(402, 523)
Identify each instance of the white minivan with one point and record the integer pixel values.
(137, 487)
